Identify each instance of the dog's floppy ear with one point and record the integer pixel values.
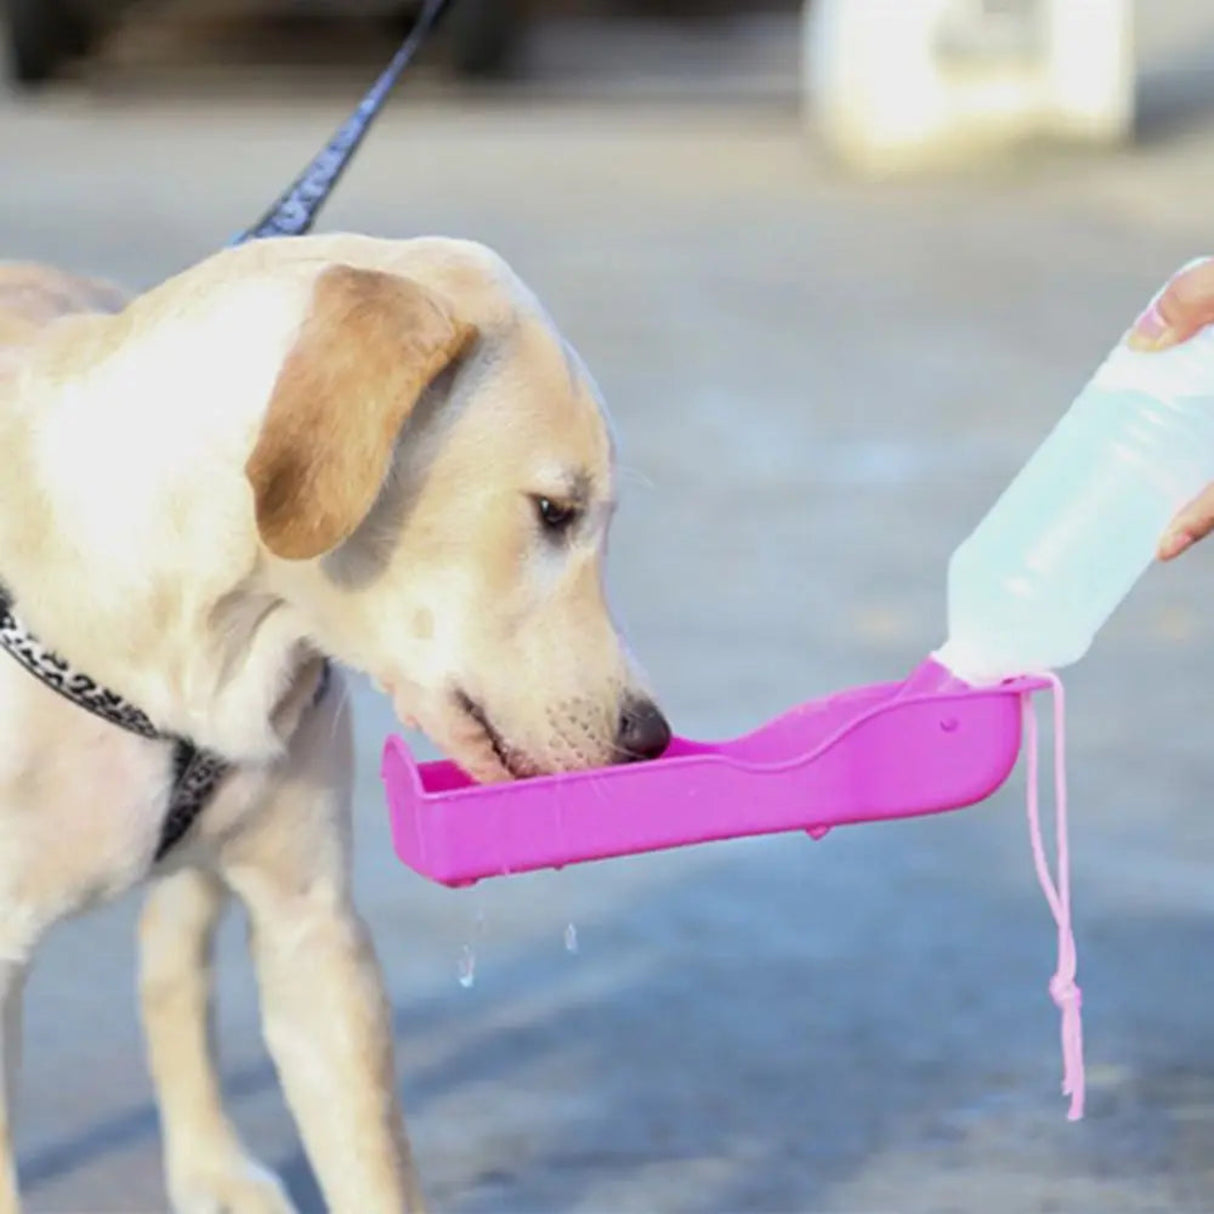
(369, 347)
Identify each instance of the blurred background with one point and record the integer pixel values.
(837, 271)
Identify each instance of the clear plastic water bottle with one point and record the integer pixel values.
(1064, 545)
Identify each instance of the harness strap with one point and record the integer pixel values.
(49, 668)
(197, 773)
(196, 776)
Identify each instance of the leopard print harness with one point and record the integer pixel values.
(197, 773)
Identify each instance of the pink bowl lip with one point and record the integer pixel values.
(928, 682)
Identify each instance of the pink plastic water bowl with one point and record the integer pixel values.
(892, 750)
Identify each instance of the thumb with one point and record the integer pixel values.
(1185, 305)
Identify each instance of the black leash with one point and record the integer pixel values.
(295, 212)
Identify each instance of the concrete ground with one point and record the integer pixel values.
(820, 386)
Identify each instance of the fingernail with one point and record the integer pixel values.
(1174, 544)
(1150, 331)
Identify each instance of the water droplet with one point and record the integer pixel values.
(571, 945)
(818, 832)
(949, 724)
(467, 967)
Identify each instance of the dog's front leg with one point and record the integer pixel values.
(326, 1017)
(327, 1026)
(12, 982)
(207, 1167)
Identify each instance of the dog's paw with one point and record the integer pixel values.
(234, 1186)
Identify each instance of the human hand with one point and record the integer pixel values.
(1185, 306)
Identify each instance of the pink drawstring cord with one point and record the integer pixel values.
(1063, 989)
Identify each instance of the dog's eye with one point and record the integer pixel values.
(556, 516)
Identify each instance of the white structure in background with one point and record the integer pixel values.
(893, 84)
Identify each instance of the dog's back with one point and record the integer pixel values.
(32, 296)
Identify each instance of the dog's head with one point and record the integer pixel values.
(433, 484)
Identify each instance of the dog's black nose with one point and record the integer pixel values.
(644, 732)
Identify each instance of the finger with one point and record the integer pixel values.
(1193, 523)
(1185, 305)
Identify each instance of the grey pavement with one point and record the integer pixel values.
(820, 385)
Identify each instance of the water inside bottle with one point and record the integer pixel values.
(1029, 590)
